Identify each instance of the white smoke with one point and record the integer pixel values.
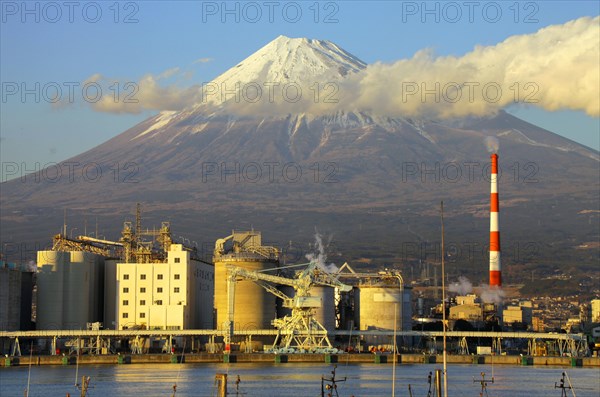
(462, 287)
(320, 257)
(491, 294)
(555, 68)
(492, 144)
(487, 294)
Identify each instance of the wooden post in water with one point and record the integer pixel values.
(438, 382)
(85, 384)
(221, 384)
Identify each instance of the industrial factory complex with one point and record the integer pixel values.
(146, 292)
(146, 282)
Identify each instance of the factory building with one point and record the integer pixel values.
(467, 308)
(141, 280)
(171, 295)
(469, 299)
(70, 289)
(520, 314)
(512, 314)
(595, 310)
(16, 288)
(254, 307)
(537, 324)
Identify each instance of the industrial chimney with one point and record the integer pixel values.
(495, 267)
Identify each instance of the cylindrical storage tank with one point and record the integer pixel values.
(377, 306)
(77, 305)
(287, 290)
(254, 307)
(50, 284)
(326, 313)
(110, 293)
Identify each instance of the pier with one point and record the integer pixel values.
(98, 343)
(363, 358)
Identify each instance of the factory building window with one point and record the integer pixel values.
(159, 302)
(177, 260)
(176, 289)
(125, 302)
(126, 277)
(142, 276)
(142, 290)
(125, 290)
(159, 276)
(159, 290)
(142, 315)
(125, 315)
(142, 303)
(177, 277)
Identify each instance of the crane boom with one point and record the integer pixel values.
(312, 276)
(239, 272)
(301, 329)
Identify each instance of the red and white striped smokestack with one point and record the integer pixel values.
(495, 267)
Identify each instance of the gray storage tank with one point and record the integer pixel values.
(254, 307)
(382, 305)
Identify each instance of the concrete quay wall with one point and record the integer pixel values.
(124, 359)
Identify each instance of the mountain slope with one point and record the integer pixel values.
(373, 181)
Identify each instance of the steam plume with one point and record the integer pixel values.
(462, 287)
(492, 144)
(320, 257)
(491, 294)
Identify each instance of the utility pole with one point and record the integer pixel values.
(444, 305)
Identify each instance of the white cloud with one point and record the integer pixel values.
(168, 73)
(203, 60)
(122, 96)
(555, 68)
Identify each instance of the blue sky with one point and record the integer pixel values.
(52, 44)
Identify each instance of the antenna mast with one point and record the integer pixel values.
(444, 304)
(138, 220)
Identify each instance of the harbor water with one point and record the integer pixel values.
(297, 379)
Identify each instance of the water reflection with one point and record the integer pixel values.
(298, 380)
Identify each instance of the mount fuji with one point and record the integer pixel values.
(241, 156)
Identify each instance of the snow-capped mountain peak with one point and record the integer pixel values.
(287, 74)
(293, 60)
